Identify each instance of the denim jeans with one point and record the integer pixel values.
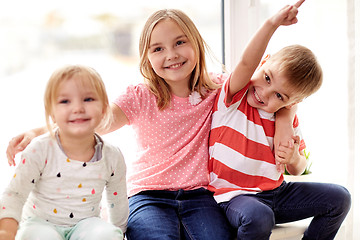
(255, 215)
(175, 215)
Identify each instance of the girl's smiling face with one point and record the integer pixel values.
(172, 56)
(77, 110)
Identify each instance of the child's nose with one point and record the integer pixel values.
(266, 93)
(172, 54)
(78, 107)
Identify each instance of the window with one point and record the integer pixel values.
(103, 35)
(323, 116)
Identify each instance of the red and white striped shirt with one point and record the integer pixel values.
(241, 148)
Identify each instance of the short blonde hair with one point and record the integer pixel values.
(199, 78)
(85, 76)
(301, 67)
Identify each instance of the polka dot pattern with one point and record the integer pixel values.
(172, 143)
(62, 190)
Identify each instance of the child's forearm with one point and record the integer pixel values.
(256, 47)
(284, 127)
(8, 227)
(19, 143)
(286, 115)
(39, 131)
(251, 57)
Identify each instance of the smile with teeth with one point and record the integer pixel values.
(177, 65)
(257, 97)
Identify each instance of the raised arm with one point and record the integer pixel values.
(255, 49)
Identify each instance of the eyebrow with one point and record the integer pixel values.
(271, 77)
(175, 39)
(286, 95)
(270, 74)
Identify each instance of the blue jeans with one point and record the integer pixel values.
(175, 215)
(255, 215)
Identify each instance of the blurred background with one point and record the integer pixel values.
(103, 35)
(39, 36)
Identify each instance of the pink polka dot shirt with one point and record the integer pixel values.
(172, 143)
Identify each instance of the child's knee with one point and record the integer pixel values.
(38, 232)
(111, 233)
(257, 224)
(343, 199)
(95, 228)
(263, 221)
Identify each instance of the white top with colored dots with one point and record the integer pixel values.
(64, 191)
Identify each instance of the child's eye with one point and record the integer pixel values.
(267, 78)
(179, 42)
(158, 49)
(278, 95)
(89, 99)
(64, 101)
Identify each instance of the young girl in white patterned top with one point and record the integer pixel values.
(62, 174)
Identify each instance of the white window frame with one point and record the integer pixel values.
(354, 115)
(240, 22)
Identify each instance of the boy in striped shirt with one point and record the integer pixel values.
(243, 173)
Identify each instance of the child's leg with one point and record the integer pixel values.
(37, 229)
(327, 203)
(252, 218)
(152, 218)
(94, 229)
(169, 215)
(201, 217)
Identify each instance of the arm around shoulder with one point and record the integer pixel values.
(117, 121)
(19, 143)
(284, 126)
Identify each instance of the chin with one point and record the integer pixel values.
(255, 104)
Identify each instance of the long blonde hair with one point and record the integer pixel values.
(86, 76)
(199, 80)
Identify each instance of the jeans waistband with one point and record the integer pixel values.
(176, 195)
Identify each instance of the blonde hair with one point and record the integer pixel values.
(199, 80)
(85, 76)
(301, 67)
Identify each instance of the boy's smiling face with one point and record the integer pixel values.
(269, 89)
